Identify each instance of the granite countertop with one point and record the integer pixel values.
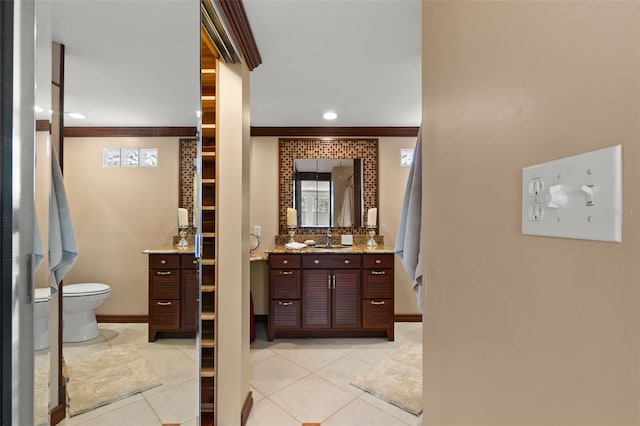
(258, 255)
(357, 249)
(191, 250)
(170, 250)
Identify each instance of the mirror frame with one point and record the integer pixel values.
(292, 148)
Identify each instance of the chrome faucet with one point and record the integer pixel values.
(329, 237)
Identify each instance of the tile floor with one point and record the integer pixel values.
(293, 380)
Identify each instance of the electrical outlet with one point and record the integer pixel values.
(257, 230)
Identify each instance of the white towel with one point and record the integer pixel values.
(63, 249)
(409, 236)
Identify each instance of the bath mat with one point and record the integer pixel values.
(105, 377)
(41, 396)
(397, 379)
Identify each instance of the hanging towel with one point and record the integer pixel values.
(409, 236)
(63, 249)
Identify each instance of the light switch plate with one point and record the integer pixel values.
(575, 197)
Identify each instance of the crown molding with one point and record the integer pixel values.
(88, 132)
(239, 25)
(335, 131)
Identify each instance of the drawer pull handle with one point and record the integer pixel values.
(163, 272)
(284, 262)
(286, 272)
(378, 272)
(316, 261)
(164, 303)
(373, 302)
(378, 261)
(334, 282)
(285, 303)
(347, 261)
(163, 262)
(329, 282)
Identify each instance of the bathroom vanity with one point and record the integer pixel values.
(331, 292)
(173, 293)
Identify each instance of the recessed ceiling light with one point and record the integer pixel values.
(330, 115)
(76, 115)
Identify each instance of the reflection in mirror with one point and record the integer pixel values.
(327, 192)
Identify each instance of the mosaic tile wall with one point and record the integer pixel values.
(188, 153)
(289, 149)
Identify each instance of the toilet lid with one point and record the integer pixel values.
(43, 295)
(84, 289)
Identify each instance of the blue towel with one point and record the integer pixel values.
(409, 237)
(63, 249)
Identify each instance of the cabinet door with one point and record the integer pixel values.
(189, 300)
(346, 298)
(316, 299)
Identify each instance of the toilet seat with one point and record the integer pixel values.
(85, 289)
(42, 295)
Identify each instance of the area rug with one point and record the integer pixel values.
(105, 377)
(397, 379)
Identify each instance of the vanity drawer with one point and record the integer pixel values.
(164, 261)
(331, 261)
(377, 283)
(285, 314)
(189, 262)
(284, 261)
(285, 284)
(377, 260)
(377, 313)
(164, 314)
(164, 284)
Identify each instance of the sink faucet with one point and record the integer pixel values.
(329, 237)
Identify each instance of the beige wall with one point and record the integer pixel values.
(234, 152)
(522, 329)
(264, 210)
(117, 213)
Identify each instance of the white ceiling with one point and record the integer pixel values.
(136, 62)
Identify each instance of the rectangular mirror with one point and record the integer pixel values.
(328, 192)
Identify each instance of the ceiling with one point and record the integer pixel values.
(136, 62)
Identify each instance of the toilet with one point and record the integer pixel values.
(41, 318)
(79, 302)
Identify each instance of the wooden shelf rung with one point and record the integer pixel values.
(208, 316)
(209, 234)
(208, 181)
(208, 262)
(208, 208)
(208, 343)
(208, 372)
(208, 288)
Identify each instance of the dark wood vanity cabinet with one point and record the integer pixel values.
(330, 295)
(284, 293)
(173, 295)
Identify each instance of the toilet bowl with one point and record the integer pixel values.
(79, 302)
(41, 318)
